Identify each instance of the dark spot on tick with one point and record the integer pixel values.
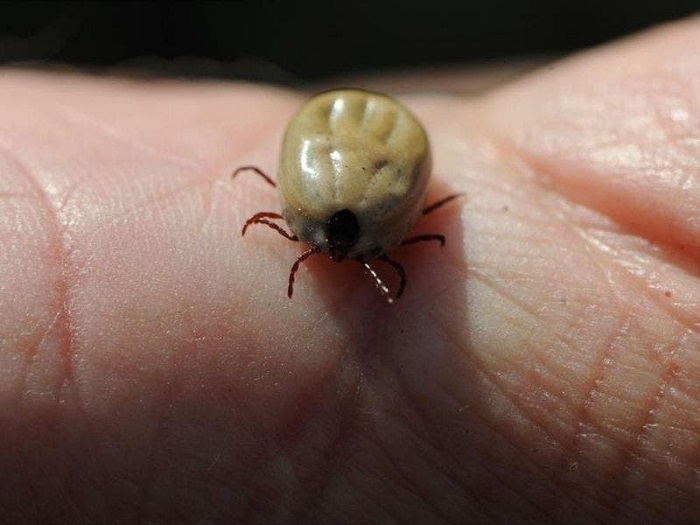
(379, 164)
(342, 232)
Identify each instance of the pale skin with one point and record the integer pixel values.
(543, 366)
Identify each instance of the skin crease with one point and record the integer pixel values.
(543, 367)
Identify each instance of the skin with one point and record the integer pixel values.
(543, 367)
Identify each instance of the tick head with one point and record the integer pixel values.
(342, 232)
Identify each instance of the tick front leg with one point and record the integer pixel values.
(262, 218)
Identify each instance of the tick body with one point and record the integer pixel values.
(353, 171)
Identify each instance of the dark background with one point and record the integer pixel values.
(309, 41)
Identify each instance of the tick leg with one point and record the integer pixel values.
(441, 203)
(262, 218)
(402, 275)
(432, 236)
(377, 281)
(426, 237)
(256, 170)
(380, 284)
(308, 253)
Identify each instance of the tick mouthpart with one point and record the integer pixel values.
(342, 231)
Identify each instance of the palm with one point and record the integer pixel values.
(542, 363)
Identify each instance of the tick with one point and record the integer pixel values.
(353, 172)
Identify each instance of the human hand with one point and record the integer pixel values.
(543, 366)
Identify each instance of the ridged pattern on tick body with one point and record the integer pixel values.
(359, 151)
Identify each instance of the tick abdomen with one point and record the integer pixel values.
(356, 151)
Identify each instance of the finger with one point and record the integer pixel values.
(616, 129)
